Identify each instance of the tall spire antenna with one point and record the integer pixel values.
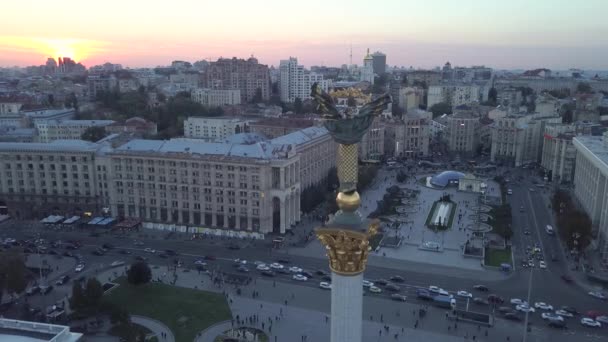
(351, 54)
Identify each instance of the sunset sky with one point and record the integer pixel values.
(502, 34)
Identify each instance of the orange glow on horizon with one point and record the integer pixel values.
(76, 49)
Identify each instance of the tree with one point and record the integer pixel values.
(78, 299)
(51, 99)
(139, 273)
(493, 96)
(583, 87)
(440, 108)
(94, 133)
(12, 273)
(93, 292)
(298, 106)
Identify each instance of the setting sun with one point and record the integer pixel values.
(76, 49)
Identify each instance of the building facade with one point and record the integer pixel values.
(378, 63)
(412, 135)
(295, 82)
(248, 76)
(410, 98)
(55, 177)
(212, 129)
(455, 94)
(371, 146)
(317, 151)
(216, 97)
(590, 185)
(51, 130)
(462, 133)
(180, 181)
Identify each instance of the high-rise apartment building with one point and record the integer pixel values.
(379, 63)
(296, 82)
(248, 76)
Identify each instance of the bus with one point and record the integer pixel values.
(549, 230)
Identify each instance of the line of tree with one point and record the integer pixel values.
(440, 108)
(501, 221)
(574, 225)
(13, 273)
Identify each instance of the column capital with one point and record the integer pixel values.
(347, 249)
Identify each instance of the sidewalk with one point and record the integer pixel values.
(155, 326)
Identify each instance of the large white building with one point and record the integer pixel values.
(216, 97)
(253, 188)
(212, 129)
(590, 184)
(367, 72)
(51, 130)
(296, 82)
(518, 139)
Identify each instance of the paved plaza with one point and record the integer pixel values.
(412, 229)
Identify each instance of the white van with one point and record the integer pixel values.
(549, 230)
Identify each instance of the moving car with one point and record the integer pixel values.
(200, 262)
(62, 280)
(512, 316)
(551, 316)
(398, 297)
(299, 277)
(276, 265)
(434, 289)
(375, 289)
(393, 288)
(464, 294)
(517, 301)
(242, 269)
(325, 285)
(481, 288)
(542, 265)
(589, 322)
(524, 308)
(295, 269)
(424, 294)
(262, 267)
(598, 295)
(149, 250)
(367, 283)
(543, 306)
(557, 324)
(602, 319)
(563, 313)
(79, 268)
(268, 273)
(397, 279)
(381, 282)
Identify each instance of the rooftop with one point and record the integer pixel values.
(284, 122)
(47, 112)
(25, 331)
(302, 136)
(260, 150)
(79, 122)
(243, 139)
(596, 145)
(57, 145)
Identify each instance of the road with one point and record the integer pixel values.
(546, 286)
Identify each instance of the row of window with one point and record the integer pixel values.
(51, 158)
(183, 164)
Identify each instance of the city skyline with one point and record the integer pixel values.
(505, 36)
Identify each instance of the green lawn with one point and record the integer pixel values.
(170, 303)
(495, 257)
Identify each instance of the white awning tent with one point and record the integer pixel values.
(71, 220)
(241, 234)
(52, 219)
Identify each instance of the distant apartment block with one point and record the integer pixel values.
(276, 127)
(410, 98)
(216, 97)
(455, 94)
(248, 76)
(296, 82)
(462, 133)
(51, 130)
(213, 129)
(412, 135)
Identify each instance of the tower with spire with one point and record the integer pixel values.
(367, 74)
